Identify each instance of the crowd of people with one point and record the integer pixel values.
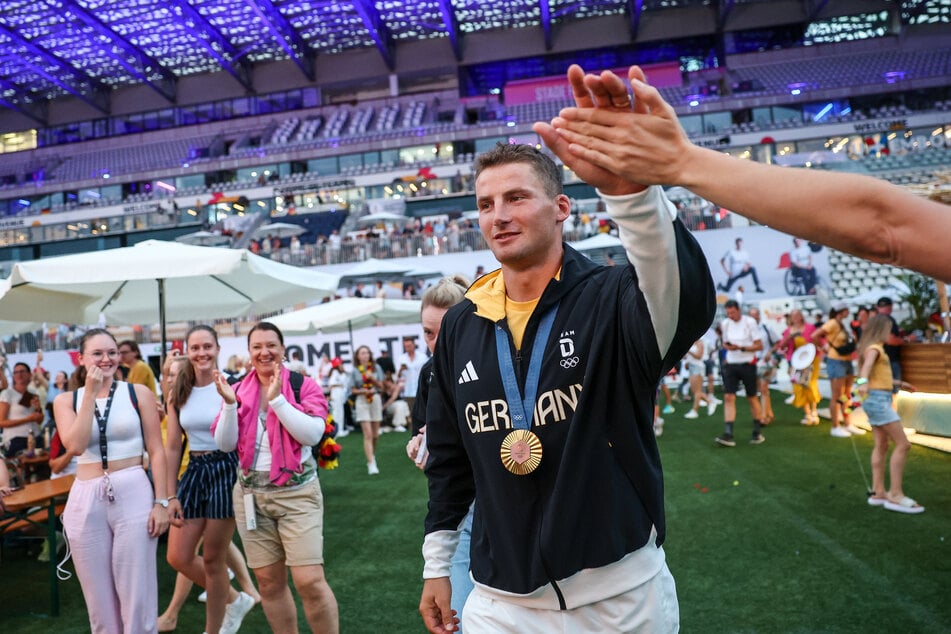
(513, 428)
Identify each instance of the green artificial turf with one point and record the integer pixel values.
(769, 538)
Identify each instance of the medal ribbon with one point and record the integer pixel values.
(523, 409)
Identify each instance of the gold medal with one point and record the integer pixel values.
(521, 452)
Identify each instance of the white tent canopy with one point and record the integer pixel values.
(599, 241)
(203, 238)
(348, 313)
(156, 279)
(278, 230)
(386, 270)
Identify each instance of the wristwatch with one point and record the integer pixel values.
(163, 502)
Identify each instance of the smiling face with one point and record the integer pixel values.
(21, 376)
(363, 356)
(519, 220)
(202, 350)
(100, 351)
(266, 352)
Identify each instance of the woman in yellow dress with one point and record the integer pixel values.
(806, 388)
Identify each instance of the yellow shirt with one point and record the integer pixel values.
(836, 336)
(142, 374)
(880, 377)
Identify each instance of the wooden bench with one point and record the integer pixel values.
(36, 518)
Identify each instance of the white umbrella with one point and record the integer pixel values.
(348, 313)
(204, 239)
(599, 241)
(168, 280)
(18, 327)
(373, 269)
(383, 216)
(278, 230)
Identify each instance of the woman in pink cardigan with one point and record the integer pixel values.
(278, 503)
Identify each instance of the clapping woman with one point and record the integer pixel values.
(114, 514)
(202, 509)
(278, 503)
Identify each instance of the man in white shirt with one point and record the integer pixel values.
(742, 340)
(800, 261)
(409, 364)
(765, 366)
(736, 263)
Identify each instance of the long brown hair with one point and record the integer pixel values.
(185, 380)
(875, 331)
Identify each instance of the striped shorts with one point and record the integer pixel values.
(205, 489)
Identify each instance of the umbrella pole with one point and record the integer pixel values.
(161, 304)
(350, 332)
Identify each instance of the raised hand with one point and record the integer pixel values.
(646, 146)
(605, 92)
(224, 388)
(274, 387)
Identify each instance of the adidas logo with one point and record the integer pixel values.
(468, 374)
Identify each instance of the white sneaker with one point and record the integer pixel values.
(343, 433)
(372, 469)
(692, 414)
(399, 428)
(203, 597)
(712, 407)
(840, 432)
(855, 431)
(789, 400)
(235, 613)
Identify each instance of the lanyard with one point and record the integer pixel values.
(102, 420)
(522, 409)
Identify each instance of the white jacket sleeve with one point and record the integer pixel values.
(226, 433)
(438, 548)
(645, 226)
(306, 429)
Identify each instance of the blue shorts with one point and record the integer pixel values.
(838, 369)
(878, 408)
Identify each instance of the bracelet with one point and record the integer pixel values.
(861, 381)
(172, 497)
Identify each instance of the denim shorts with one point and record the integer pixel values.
(838, 369)
(878, 408)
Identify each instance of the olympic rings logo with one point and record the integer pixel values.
(570, 362)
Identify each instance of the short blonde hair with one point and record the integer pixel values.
(446, 293)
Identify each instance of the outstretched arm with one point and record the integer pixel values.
(648, 146)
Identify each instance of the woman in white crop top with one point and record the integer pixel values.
(114, 515)
(202, 507)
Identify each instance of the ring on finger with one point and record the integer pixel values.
(623, 104)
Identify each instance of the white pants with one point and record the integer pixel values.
(650, 608)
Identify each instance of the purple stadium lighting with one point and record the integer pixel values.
(135, 61)
(452, 27)
(286, 35)
(82, 85)
(232, 61)
(377, 29)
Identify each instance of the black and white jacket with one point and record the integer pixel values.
(589, 521)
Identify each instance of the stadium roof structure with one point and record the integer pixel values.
(51, 49)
